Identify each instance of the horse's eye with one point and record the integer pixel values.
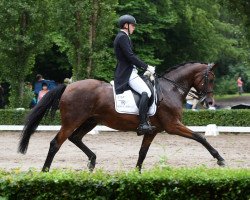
(211, 81)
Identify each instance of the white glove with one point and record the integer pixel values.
(151, 69)
(149, 75)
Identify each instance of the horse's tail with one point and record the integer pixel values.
(49, 103)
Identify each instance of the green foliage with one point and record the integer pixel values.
(28, 96)
(12, 117)
(52, 64)
(153, 19)
(84, 33)
(171, 32)
(159, 183)
(168, 33)
(218, 117)
(240, 8)
(228, 84)
(208, 34)
(190, 118)
(17, 117)
(23, 34)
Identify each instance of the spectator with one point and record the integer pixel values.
(240, 85)
(38, 85)
(191, 102)
(33, 101)
(43, 91)
(1, 97)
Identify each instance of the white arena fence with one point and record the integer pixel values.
(209, 130)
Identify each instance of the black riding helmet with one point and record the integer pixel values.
(126, 19)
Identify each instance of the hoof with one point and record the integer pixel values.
(138, 169)
(221, 163)
(45, 169)
(91, 165)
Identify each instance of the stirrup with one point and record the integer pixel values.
(145, 129)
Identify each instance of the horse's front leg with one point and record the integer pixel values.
(179, 129)
(200, 138)
(146, 142)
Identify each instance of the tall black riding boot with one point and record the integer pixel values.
(144, 127)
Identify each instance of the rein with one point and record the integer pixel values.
(196, 95)
(174, 83)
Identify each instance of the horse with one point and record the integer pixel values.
(85, 104)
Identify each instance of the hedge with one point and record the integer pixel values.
(218, 117)
(159, 183)
(190, 118)
(17, 117)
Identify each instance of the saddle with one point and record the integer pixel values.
(128, 101)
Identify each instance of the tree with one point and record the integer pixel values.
(207, 31)
(153, 18)
(83, 32)
(204, 33)
(22, 36)
(240, 8)
(171, 32)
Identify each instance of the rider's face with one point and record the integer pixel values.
(130, 27)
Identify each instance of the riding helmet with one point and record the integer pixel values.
(126, 19)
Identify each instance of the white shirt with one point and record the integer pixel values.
(125, 32)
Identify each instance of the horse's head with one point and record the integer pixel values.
(193, 74)
(204, 83)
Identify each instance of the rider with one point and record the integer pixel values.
(126, 73)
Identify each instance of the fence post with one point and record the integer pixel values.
(211, 130)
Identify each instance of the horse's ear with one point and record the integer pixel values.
(213, 66)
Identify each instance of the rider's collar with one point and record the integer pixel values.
(124, 32)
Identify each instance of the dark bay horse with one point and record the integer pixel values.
(84, 104)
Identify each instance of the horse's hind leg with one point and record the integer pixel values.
(181, 130)
(55, 145)
(77, 136)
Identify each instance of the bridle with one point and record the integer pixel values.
(204, 91)
(197, 95)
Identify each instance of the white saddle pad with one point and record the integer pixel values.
(125, 103)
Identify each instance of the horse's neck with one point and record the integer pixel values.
(184, 77)
(184, 81)
(170, 89)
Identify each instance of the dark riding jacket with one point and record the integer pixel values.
(125, 61)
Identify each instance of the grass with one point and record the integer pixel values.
(229, 96)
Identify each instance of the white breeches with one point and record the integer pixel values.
(138, 84)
